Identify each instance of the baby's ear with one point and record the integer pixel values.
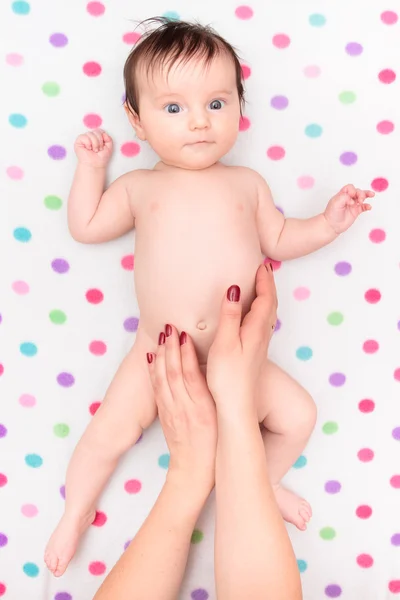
(134, 120)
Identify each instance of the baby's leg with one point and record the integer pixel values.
(127, 409)
(288, 414)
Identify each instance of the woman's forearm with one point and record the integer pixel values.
(253, 554)
(152, 567)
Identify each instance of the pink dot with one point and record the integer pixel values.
(385, 127)
(100, 519)
(281, 40)
(3, 480)
(365, 561)
(14, 60)
(370, 346)
(133, 486)
(94, 407)
(1, 369)
(380, 184)
(15, 173)
(3, 589)
(96, 9)
(27, 401)
(389, 17)
(97, 348)
(246, 71)
(394, 586)
(127, 262)
(395, 482)
(244, 124)
(305, 182)
(276, 152)
(396, 374)
(365, 454)
(312, 71)
(301, 293)
(364, 511)
(131, 37)
(29, 510)
(130, 149)
(91, 69)
(92, 121)
(387, 76)
(276, 264)
(372, 296)
(94, 296)
(97, 568)
(377, 236)
(244, 12)
(366, 406)
(20, 287)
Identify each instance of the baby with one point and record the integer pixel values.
(200, 227)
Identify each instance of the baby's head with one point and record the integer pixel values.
(184, 93)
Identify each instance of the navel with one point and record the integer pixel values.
(201, 325)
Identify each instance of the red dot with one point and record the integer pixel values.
(94, 296)
(100, 519)
(387, 76)
(365, 454)
(385, 127)
(380, 184)
(276, 152)
(389, 17)
(244, 124)
(3, 479)
(365, 560)
(130, 149)
(276, 264)
(97, 568)
(366, 405)
(92, 69)
(1, 369)
(377, 236)
(96, 9)
(93, 408)
(131, 37)
(246, 71)
(395, 482)
(372, 296)
(3, 589)
(133, 486)
(370, 346)
(127, 262)
(92, 121)
(281, 40)
(97, 348)
(364, 511)
(396, 374)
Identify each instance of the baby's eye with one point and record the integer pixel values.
(173, 109)
(216, 104)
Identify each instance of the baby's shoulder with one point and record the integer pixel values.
(247, 175)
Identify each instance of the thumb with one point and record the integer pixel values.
(230, 318)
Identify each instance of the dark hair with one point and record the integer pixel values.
(175, 41)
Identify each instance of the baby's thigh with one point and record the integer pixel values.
(282, 403)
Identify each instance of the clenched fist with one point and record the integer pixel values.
(94, 148)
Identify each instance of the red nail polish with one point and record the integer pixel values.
(233, 293)
(161, 339)
(168, 330)
(182, 338)
(149, 357)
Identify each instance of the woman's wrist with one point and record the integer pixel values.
(190, 489)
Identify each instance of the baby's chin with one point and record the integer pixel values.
(194, 159)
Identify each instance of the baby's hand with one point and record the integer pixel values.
(94, 148)
(344, 208)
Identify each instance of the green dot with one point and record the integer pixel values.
(53, 202)
(304, 353)
(347, 97)
(335, 318)
(330, 427)
(327, 533)
(58, 317)
(61, 430)
(51, 88)
(197, 536)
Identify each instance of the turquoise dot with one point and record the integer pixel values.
(313, 130)
(17, 120)
(304, 353)
(33, 460)
(317, 20)
(302, 565)
(31, 569)
(163, 461)
(22, 234)
(300, 462)
(20, 7)
(28, 349)
(172, 15)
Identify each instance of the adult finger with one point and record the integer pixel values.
(193, 378)
(229, 320)
(259, 322)
(162, 391)
(173, 364)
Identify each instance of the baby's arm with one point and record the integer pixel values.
(95, 215)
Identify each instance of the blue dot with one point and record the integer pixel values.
(313, 130)
(22, 234)
(17, 120)
(31, 569)
(317, 20)
(302, 565)
(33, 460)
(20, 7)
(172, 15)
(300, 462)
(163, 461)
(304, 353)
(28, 349)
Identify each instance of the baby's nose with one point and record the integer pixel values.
(199, 120)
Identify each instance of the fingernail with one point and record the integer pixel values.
(149, 357)
(233, 293)
(168, 330)
(272, 268)
(182, 338)
(161, 339)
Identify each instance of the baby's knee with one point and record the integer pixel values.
(306, 413)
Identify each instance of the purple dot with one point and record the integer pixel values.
(342, 268)
(395, 539)
(139, 439)
(3, 430)
(62, 492)
(337, 379)
(59, 265)
(278, 325)
(279, 102)
(3, 540)
(348, 158)
(58, 40)
(63, 596)
(65, 379)
(354, 49)
(333, 487)
(396, 433)
(333, 591)
(57, 152)
(1, 318)
(398, 324)
(131, 324)
(280, 210)
(199, 594)
(126, 545)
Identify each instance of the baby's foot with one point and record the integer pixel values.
(64, 541)
(293, 509)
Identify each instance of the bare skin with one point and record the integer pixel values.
(200, 227)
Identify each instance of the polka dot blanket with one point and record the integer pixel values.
(322, 110)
